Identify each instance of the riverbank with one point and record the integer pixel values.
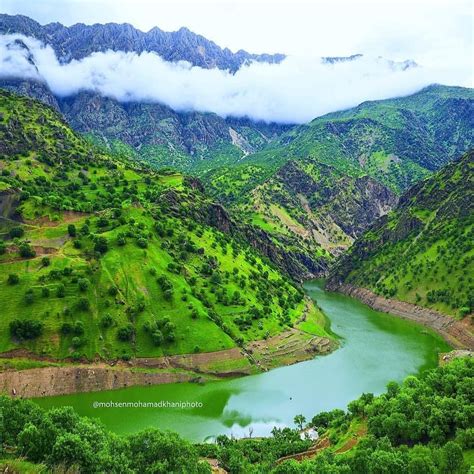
(458, 334)
(20, 377)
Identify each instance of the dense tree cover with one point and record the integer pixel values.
(423, 425)
(60, 437)
(420, 426)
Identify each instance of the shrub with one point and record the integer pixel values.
(83, 284)
(13, 279)
(101, 245)
(66, 328)
(77, 342)
(106, 321)
(71, 230)
(126, 333)
(78, 328)
(17, 232)
(26, 329)
(26, 251)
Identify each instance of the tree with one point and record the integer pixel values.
(101, 245)
(13, 279)
(126, 333)
(299, 421)
(17, 232)
(26, 328)
(83, 284)
(83, 304)
(106, 321)
(61, 291)
(26, 251)
(154, 451)
(71, 230)
(451, 458)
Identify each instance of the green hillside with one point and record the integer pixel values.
(423, 251)
(102, 257)
(319, 186)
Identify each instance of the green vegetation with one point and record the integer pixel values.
(424, 425)
(102, 257)
(423, 251)
(336, 175)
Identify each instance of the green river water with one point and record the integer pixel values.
(375, 349)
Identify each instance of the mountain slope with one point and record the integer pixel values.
(327, 181)
(101, 257)
(396, 141)
(79, 41)
(422, 252)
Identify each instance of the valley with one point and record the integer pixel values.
(307, 286)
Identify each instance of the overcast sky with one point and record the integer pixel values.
(425, 30)
(437, 34)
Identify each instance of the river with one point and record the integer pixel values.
(375, 349)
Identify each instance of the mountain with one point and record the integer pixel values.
(322, 184)
(422, 252)
(79, 41)
(103, 257)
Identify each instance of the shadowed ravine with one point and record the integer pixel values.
(376, 348)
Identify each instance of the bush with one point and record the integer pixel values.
(77, 342)
(83, 284)
(106, 321)
(13, 279)
(45, 261)
(101, 245)
(26, 329)
(61, 291)
(83, 304)
(71, 230)
(17, 232)
(142, 243)
(78, 328)
(126, 333)
(26, 251)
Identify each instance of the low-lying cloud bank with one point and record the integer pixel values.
(294, 91)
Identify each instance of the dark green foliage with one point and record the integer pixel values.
(71, 229)
(418, 427)
(26, 251)
(13, 279)
(160, 330)
(106, 321)
(17, 232)
(126, 333)
(26, 329)
(101, 245)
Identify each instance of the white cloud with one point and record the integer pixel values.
(296, 90)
